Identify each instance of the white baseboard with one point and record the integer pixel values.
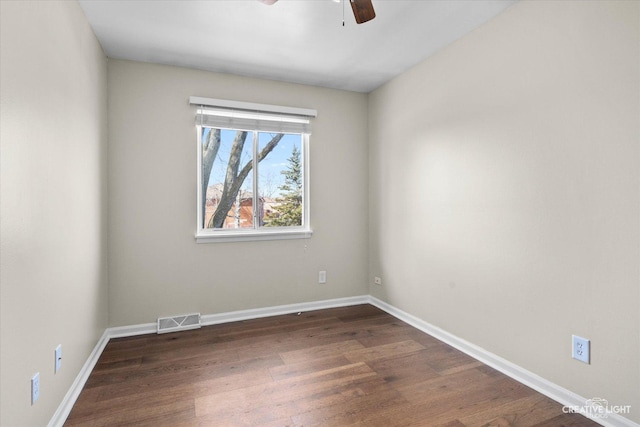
(549, 389)
(236, 316)
(133, 330)
(541, 385)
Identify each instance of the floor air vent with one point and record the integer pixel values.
(178, 323)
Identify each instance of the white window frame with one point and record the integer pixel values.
(207, 235)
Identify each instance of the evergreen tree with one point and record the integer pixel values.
(288, 212)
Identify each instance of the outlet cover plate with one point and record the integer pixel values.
(35, 387)
(58, 358)
(322, 277)
(580, 349)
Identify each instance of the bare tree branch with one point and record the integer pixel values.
(234, 180)
(209, 152)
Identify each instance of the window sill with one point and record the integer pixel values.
(252, 235)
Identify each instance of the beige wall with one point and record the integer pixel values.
(155, 266)
(53, 184)
(505, 191)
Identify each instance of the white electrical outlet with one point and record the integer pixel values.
(322, 277)
(35, 387)
(377, 281)
(58, 358)
(580, 349)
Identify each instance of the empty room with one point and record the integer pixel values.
(320, 213)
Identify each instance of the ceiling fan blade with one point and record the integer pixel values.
(362, 10)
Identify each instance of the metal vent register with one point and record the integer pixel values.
(178, 323)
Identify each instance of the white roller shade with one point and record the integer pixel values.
(240, 120)
(252, 117)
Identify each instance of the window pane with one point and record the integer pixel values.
(280, 180)
(227, 178)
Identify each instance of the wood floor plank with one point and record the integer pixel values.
(373, 326)
(566, 420)
(477, 399)
(524, 412)
(444, 357)
(346, 366)
(321, 351)
(443, 386)
(144, 381)
(307, 366)
(383, 351)
(148, 410)
(405, 369)
(279, 393)
(348, 413)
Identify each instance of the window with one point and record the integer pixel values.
(252, 171)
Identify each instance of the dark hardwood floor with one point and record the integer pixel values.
(351, 366)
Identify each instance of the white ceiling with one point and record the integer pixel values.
(300, 41)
